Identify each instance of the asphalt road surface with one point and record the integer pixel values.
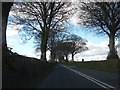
(70, 77)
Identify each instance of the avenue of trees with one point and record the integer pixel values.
(44, 21)
(41, 19)
(62, 44)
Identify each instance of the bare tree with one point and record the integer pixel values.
(41, 17)
(76, 45)
(55, 45)
(105, 17)
(54, 39)
(72, 44)
(56, 35)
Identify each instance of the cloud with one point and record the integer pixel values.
(97, 51)
(11, 42)
(12, 35)
(74, 19)
(30, 54)
(11, 30)
(90, 58)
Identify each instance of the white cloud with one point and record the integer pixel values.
(78, 57)
(11, 30)
(74, 19)
(11, 42)
(12, 35)
(30, 54)
(96, 52)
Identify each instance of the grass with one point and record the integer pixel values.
(23, 72)
(112, 66)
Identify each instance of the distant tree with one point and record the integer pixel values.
(105, 16)
(72, 44)
(40, 18)
(77, 45)
(64, 47)
(54, 45)
(82, 60)
(53, 41)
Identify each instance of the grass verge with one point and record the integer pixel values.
(112, 66)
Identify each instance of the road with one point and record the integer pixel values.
(70, 77)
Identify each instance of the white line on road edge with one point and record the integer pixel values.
(102, 84)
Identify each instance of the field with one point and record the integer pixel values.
(112, 66)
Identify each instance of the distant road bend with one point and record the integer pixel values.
(69, 77)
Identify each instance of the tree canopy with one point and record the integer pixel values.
(71, 44)
(105, 17)
(41, 18)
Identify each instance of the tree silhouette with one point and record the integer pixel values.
(6, 6)
(76, 45)
(54, 39)
(56, 35)
(40, 18)
(72, 44)
(105, 16)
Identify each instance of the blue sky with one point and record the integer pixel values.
(84, 33)
(97, 44)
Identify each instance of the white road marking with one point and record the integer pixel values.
(98, 82)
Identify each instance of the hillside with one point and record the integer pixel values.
(23, 72)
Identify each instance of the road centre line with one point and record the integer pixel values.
(100, 83)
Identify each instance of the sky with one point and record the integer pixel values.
(97, 45)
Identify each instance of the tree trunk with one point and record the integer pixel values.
(43, 51)
(66, 55)
(113, 52)
(72, 57)
(44, 45)
(4, 25)
(52, 55)
(5, 12)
